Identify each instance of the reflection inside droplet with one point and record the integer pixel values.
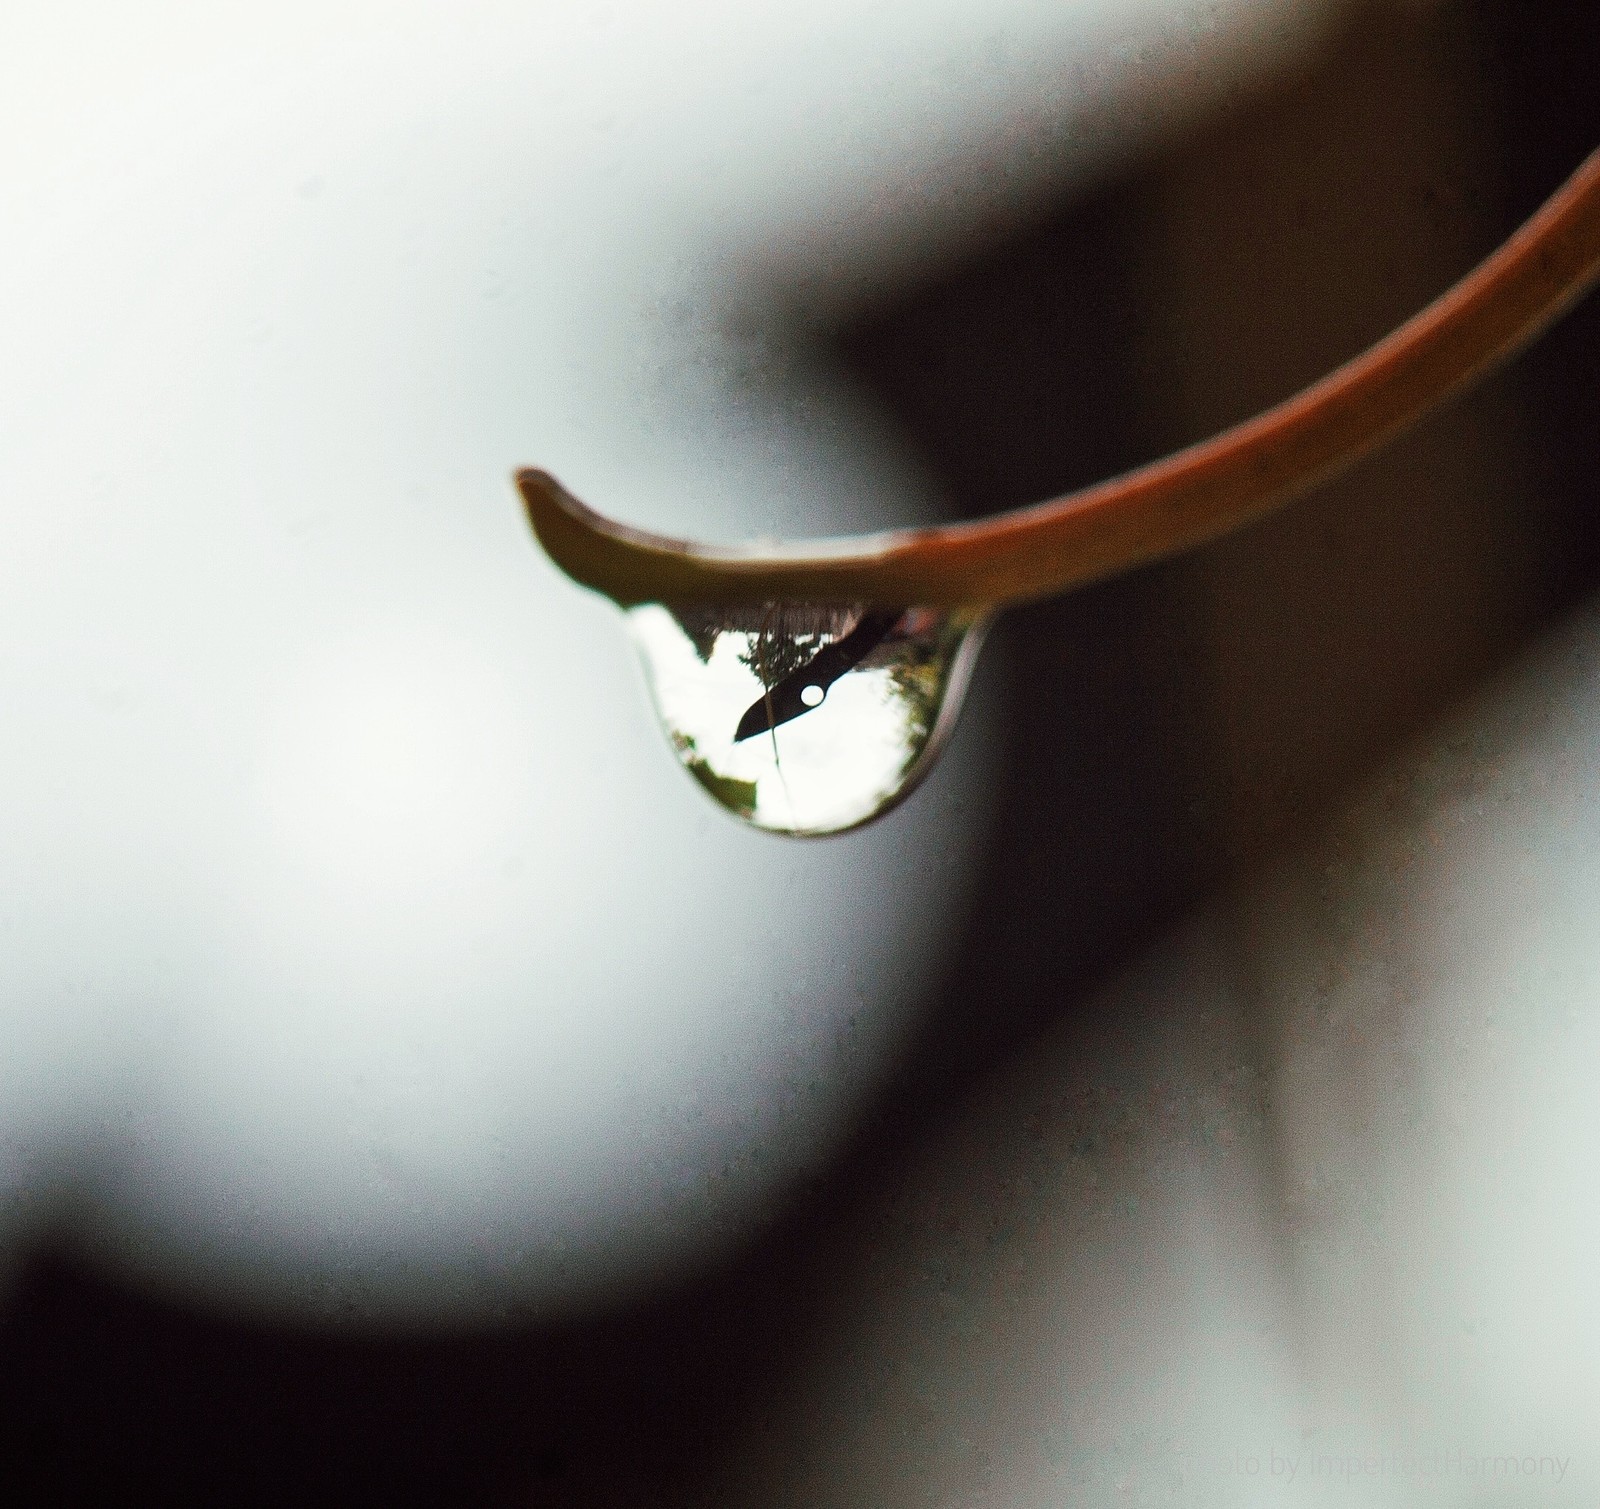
(802, 717)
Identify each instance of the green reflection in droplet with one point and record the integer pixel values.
(806, 718)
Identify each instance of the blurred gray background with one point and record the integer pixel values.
(413, 1090)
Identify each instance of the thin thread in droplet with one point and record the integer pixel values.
(764, 672)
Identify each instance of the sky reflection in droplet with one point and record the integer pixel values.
(849, 741)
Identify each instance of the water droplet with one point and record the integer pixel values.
(805, 718)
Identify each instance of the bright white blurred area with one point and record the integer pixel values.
(362, 950)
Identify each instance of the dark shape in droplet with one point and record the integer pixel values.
(882, 689)
(786, 699)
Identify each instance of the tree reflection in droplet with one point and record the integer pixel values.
(802, 717)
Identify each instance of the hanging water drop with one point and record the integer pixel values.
(806, 718)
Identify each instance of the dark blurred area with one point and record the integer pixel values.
(1163, 730)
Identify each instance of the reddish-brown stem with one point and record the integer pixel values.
(1158, 509)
